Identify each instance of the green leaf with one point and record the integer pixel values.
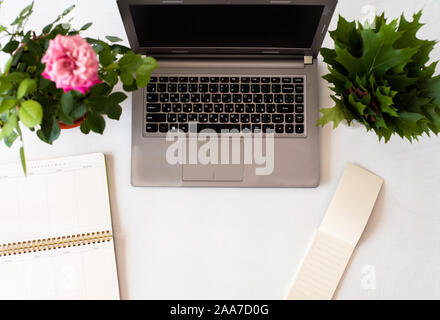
(26, 87)
(68, 10)
(84, 127)
(359, 106)
(9, 126)
(11, 46)
(386, 103)
(110, 77)
(106, 57)
(86, 26)
(67, 102)
(31, 113)
(49, 131)
(114, 111)
(118, 97)
(79, 111)
(23, 160)
(95, 122)
(7, 104)
(113, 39)
(336, 114)
(47, 28)
(10, 139)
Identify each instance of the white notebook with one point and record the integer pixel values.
(56, 239)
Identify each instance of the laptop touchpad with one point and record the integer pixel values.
(226, 170)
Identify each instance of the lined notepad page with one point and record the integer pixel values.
(58, 198)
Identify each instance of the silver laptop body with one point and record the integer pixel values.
(265, 46)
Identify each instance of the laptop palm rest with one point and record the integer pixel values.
(222, 171)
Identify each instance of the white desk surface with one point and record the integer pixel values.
(182, 243)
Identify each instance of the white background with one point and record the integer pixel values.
(247, 243)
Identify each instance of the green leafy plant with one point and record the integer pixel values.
(382, 79)
(28, 99)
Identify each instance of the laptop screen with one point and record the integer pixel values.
(226, 26)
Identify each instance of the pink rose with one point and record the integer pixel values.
(71, 63)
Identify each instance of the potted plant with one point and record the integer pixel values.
(381, 78)
(58, 80)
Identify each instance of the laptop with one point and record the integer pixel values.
(234, 102)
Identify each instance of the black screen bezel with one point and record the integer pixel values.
(329, 6)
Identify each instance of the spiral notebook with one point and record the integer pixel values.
(56, 232)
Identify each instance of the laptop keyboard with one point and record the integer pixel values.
(268, 104)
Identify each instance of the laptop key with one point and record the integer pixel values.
(192, 117)
(152, 97)
(299, 88)
(287, 88)
(163, 127)
(184, 97)
(151, 127)
(208, 108)
(213, 117)
(182, 117)
(289, 118)
(239, 108)
(260, 108)
(289, 98)
(279, 128)
(250, 108)
(277, 118)
(285, 108)
(218, 108)
(193, 79)
(275, 80)
(183, 127)
(216, 98)
(174, 97)
(156, 117)
(151, 87)
(289, 128)
(245, 79)
(299, 128)
(187, 107)
(270, 108)
(255, 118)
(177, 107)
(193, 87)
(286, 80)
(161, 87)
(276, 88)
(172, 87)
(299, 118)
(244, 88)
(183, 79)
(224, 117)
(298, 80)
(265, 118)
(197, 107)
(268, 98)
(265, 80)
(299, 98)
(166, 107)
(174, 79)
(279, 98)
(163, 79)
(153, 107)
(229, 108)
(245, 118)
(234, 118)
(236, 98)
(299, 108)
(218, 128)
(214, 79)
(268, 128)
(172, 117)
(256, 128)
(203, 117)
(213, 88)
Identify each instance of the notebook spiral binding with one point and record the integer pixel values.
(54, 243)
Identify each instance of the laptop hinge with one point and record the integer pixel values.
(308, 60)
